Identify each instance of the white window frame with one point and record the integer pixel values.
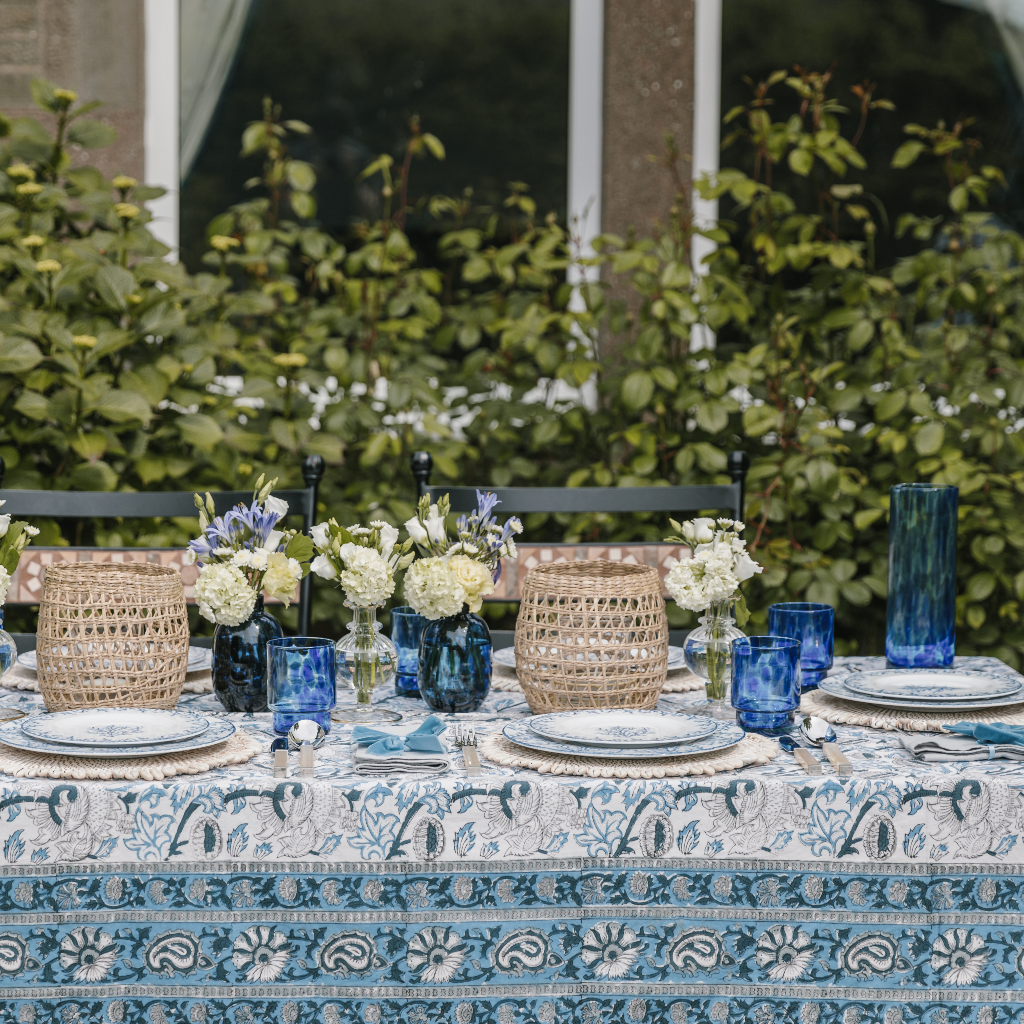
(160, 130)
(707, 112)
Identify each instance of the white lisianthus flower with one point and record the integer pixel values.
(223, 594)
(283, 575)
(475, 578)
(703, 530)
(435, 526)
(323, 567)
(273, 504)
(746, 567)
(5, 523)
(388, 539)
(321, 535)
(433, 589)
(273, 540)
(5, 583)
(416, 531)
(366, 578)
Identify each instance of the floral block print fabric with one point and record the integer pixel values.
(894, 897)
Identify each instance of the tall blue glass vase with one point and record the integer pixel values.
(240, 660)
(455, 663)
(921, 607)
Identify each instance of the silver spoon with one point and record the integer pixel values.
(816, 730)
(306, 731)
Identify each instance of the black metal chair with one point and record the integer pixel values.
(165, 504)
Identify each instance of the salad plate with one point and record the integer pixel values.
(198, 659)
(932, 684)
(219, 729)
(836, 686)
(115, 727)
(506, 656)
(726, 734)
(622, 727)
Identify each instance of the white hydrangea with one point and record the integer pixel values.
(224, 595)
(433, 589)
(5, 582)
(283, 575)
(366, 579)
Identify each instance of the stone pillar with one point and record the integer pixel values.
(648, 91)
(97, 48)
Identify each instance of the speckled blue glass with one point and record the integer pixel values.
(300, 680)
(455, 663)
(921, 606)
(8, 648)
(406, 632)
(814, 626)
(765, 682)
(240, 660)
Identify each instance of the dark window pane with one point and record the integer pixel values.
(490, 78)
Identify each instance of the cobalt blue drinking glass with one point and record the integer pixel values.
(455, 662)
(300, 680)
(814, 626)
(765, 682)
(406, 632)
(921, 606)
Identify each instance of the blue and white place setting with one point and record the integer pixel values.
(115, 727)
(930, 684)
(199, 659)
(846, 686)
(622, 727)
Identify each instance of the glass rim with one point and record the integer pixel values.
(801, 606)
(766, 643)
(404, 609)
(299, 643)
(924, 487)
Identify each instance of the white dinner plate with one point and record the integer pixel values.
(198, 659)
(726, 734)
(836, 687)
(507, 656)
(932, 684)
(115, 727)
(219, 730)
(622, 727)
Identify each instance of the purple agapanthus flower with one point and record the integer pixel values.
(239, 529)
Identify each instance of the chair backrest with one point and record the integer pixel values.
(524, 500)
(150, 504)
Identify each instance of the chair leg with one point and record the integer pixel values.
(422, 465)
(738, 464)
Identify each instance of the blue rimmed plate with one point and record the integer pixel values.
(115, 727)
(836, 686)
(622, 727)
(725, 735)
(219, 729)
(932, 684)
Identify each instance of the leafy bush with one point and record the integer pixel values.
(839, 378)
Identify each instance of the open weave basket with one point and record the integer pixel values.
(111, 634)
(591, 634)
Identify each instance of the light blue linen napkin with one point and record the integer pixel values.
(400, 749)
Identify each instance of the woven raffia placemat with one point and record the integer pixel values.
(21, 678)
(504, 680)
(24, 764)
(752, 749)
(845, 712)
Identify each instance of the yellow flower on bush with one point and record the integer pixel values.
(123, 182)
(126, 211)
(21, 171)
(84, 341)
(224, 242)
(474, 577)
(47, 266)
(29, 188)
(33, 241)
(294, 359)
(282, 577)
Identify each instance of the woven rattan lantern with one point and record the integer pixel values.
(111, 635)
(591, 634)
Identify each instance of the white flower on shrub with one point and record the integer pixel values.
(223, 594)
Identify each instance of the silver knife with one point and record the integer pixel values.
(802, 753)
(838, 759)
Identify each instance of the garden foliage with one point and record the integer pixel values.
(840, 378)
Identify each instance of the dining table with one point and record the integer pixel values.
(759, 895)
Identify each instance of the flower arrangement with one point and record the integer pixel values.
(363, 560)
(720, 563)
(14, 538)
(450, 574)
(241, 553)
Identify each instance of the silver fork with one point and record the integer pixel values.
(465, 737)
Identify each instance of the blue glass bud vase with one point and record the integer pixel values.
(240, 660)
(921, 606)
(455, 662)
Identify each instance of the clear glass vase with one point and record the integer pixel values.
(708, 652)
(364, 659)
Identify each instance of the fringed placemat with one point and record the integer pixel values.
(678, 681)
(845, 712)
(24, 764)
(752, 749)
(21, 678)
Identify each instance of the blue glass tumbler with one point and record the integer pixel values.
(765, 682)
(300, 680)
(921, 606)
(406, 632)
(814, 626)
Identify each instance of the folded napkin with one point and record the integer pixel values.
(398, 750)
(975, 741)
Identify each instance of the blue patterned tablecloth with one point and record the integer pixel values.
(761, 895)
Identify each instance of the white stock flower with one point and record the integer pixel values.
(323, 567)
(416, 530)
(282, 577)
(433, 589)
(475, 578)
(366, 578)
(435, 526)
(320, 534)
(273, 504)
(388, 539)
(223, 594)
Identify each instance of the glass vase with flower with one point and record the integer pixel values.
(362, 561)
(14, 538)
(242, 556)
(709, 582)
(447, 586)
